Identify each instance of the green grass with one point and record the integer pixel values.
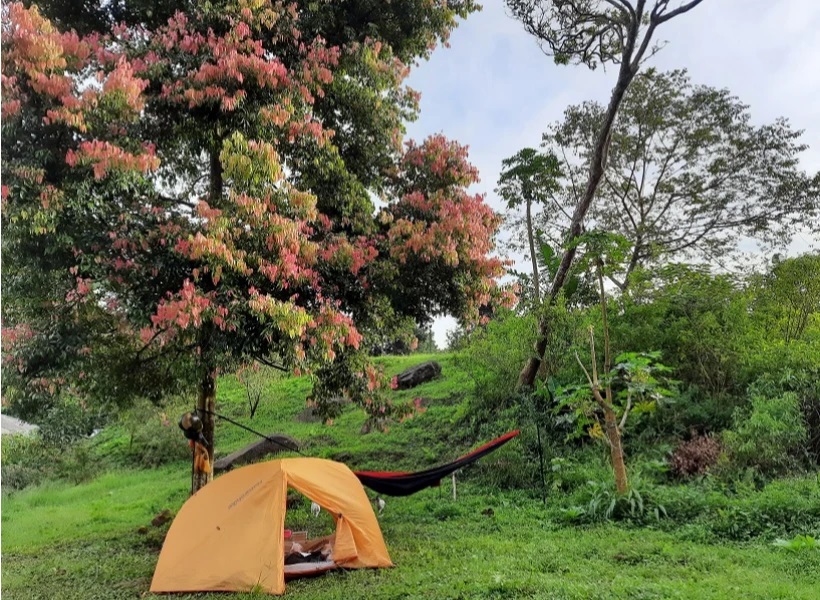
(95, 541)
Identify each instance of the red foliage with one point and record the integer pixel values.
(695, 456)
(259, 250)
(435, 219)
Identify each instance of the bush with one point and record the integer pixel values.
(495, 354)
(18, 477)
(154, 438)
(700, 322)
(771, 439)
(493, 358)
(77, 464)
(32, 460)
(782, 508)
(794, 369)
(639, 505)
(26, 461)
(67, 422)
(695, 456)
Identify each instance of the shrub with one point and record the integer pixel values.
(638, 505)
(67, 422)
(154, 438)
(18, 477)
(31, 460)
(782, 508)
(77, 464)
(494, 355)
(798, 543)
(695, 456)
(795, 370)
(709, 509)
(771, 438)
(493, 359)
(699, 321)
(26, 461)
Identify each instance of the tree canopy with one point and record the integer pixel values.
(688, 174)
(186, 194)
(527, 179)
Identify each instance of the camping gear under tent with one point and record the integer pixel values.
(230, 535)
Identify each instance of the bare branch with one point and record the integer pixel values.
(267, 363)
(589, 379)
(663, 18)
(626, 411)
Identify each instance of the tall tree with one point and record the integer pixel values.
(788, 296)
(529, 178)
(192, 209)
(592, 33)
(687, 173)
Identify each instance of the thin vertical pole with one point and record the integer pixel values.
(541, 460)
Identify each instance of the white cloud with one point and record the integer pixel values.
(497, 92)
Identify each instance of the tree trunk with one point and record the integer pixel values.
(206, 405)
(206, 398)
(596, 172)
(536, 280)
(616, 451)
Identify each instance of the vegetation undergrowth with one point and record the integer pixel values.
(497, 539)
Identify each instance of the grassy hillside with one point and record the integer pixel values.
(94, 540)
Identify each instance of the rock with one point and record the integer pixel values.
(418, 374)
(13, 426)
(255, 451)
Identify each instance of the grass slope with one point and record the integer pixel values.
(62, 541)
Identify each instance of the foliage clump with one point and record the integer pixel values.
(695, 456)
(771, 437)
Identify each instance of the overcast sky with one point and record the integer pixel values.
(495, 91)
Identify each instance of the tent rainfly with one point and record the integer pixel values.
(230, 535)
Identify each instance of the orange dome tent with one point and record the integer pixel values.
(229, 536)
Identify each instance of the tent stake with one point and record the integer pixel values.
(454, 486)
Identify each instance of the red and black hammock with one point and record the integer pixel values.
(401, 483)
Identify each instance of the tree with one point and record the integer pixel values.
(788, 296)
(591, 32)
(687, 173)
(192, 210)
(529, 178)
(633, 385)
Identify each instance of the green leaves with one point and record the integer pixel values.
(528, 176)
(603, 249)
(798, 543)
(687, 172)
(638, 382)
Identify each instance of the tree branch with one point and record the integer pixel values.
(661, 18)
(626, 411)
(589, 379)
(267, 363)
